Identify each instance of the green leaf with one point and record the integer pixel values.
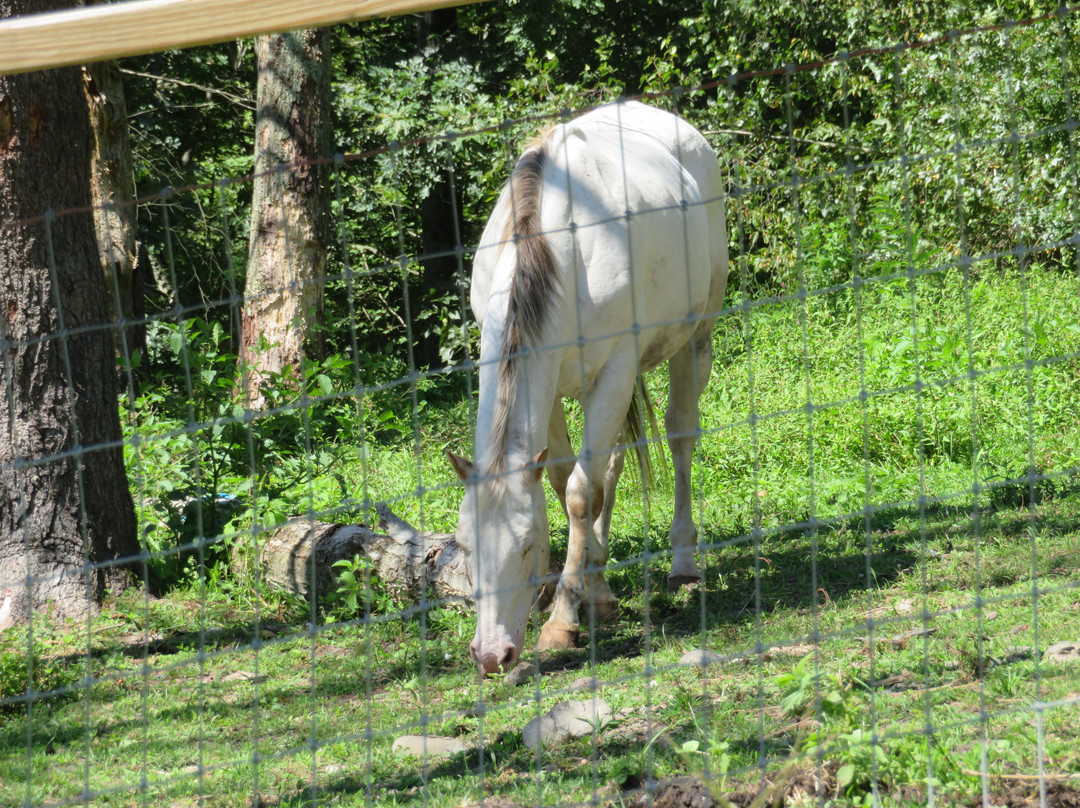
(845, 774)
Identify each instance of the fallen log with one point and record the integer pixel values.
(300, 556)
(411, 564)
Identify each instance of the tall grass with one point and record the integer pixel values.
(886, 489)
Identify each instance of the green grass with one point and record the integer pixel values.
(882, 575)
(974, 679)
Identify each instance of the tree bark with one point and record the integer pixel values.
(66, 515)
(290, 215)
(300, 558)
(115, 213)
(409, 563)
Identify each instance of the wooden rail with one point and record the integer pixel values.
(96, 33)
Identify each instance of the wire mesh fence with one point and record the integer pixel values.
(884, 481)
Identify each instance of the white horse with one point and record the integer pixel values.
(606, 254)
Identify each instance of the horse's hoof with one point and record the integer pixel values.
(557, 638)
(677, 582)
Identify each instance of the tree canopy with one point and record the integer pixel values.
(852, 135)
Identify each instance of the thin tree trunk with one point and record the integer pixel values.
(66, 515)
(440, 233)
(113, 192)
(288, 245)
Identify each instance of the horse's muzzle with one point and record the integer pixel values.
(492, 660)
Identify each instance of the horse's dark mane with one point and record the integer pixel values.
(532, 291)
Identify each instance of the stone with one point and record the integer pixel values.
(242, 676)
(567, 719)
(906, 606)
(901, 640)
(1068, 651)
(799, 650)
(1018, 653)
(588, 683)
(522, 674)
(418, 745)
(701, 658)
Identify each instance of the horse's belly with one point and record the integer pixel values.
(657, 347)
(650, 346)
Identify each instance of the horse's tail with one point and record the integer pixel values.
(533, 290)
(640, 424)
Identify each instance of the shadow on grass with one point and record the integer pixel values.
(407, 786)
(803, 566)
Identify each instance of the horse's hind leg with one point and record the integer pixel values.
(601, 599)
(689, 370)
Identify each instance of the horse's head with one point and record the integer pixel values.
(503, 531)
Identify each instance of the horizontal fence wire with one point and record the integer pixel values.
(887, 531)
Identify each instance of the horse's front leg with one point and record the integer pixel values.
(584, 500)
(560, 465)
(604, 409)
(561, 457)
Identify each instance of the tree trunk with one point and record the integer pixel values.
(112, 185)
(440, 233)
(289, 213)
(66, 515)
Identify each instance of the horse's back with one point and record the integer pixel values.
(633, 206)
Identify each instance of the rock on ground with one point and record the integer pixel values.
(418, 745)
(700, 657)
(524, 672)
(567, 719)
(1062, 652)
(585, 683)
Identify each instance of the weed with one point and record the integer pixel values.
(354, 594)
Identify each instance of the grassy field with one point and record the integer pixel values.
(885, 571)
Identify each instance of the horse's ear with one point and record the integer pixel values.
(461, 466)
(538, 464)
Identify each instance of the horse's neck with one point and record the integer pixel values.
(534, 393)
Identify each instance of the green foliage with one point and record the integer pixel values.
(359, 591)
(837, 716)
(203, 466)
(29, 677)
(800, 149)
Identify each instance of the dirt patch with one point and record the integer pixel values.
(1058, 795)
(682, 792)
(493, 802)
(809, 786)
(799, 787)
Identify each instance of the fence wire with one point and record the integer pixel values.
(885, 489)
